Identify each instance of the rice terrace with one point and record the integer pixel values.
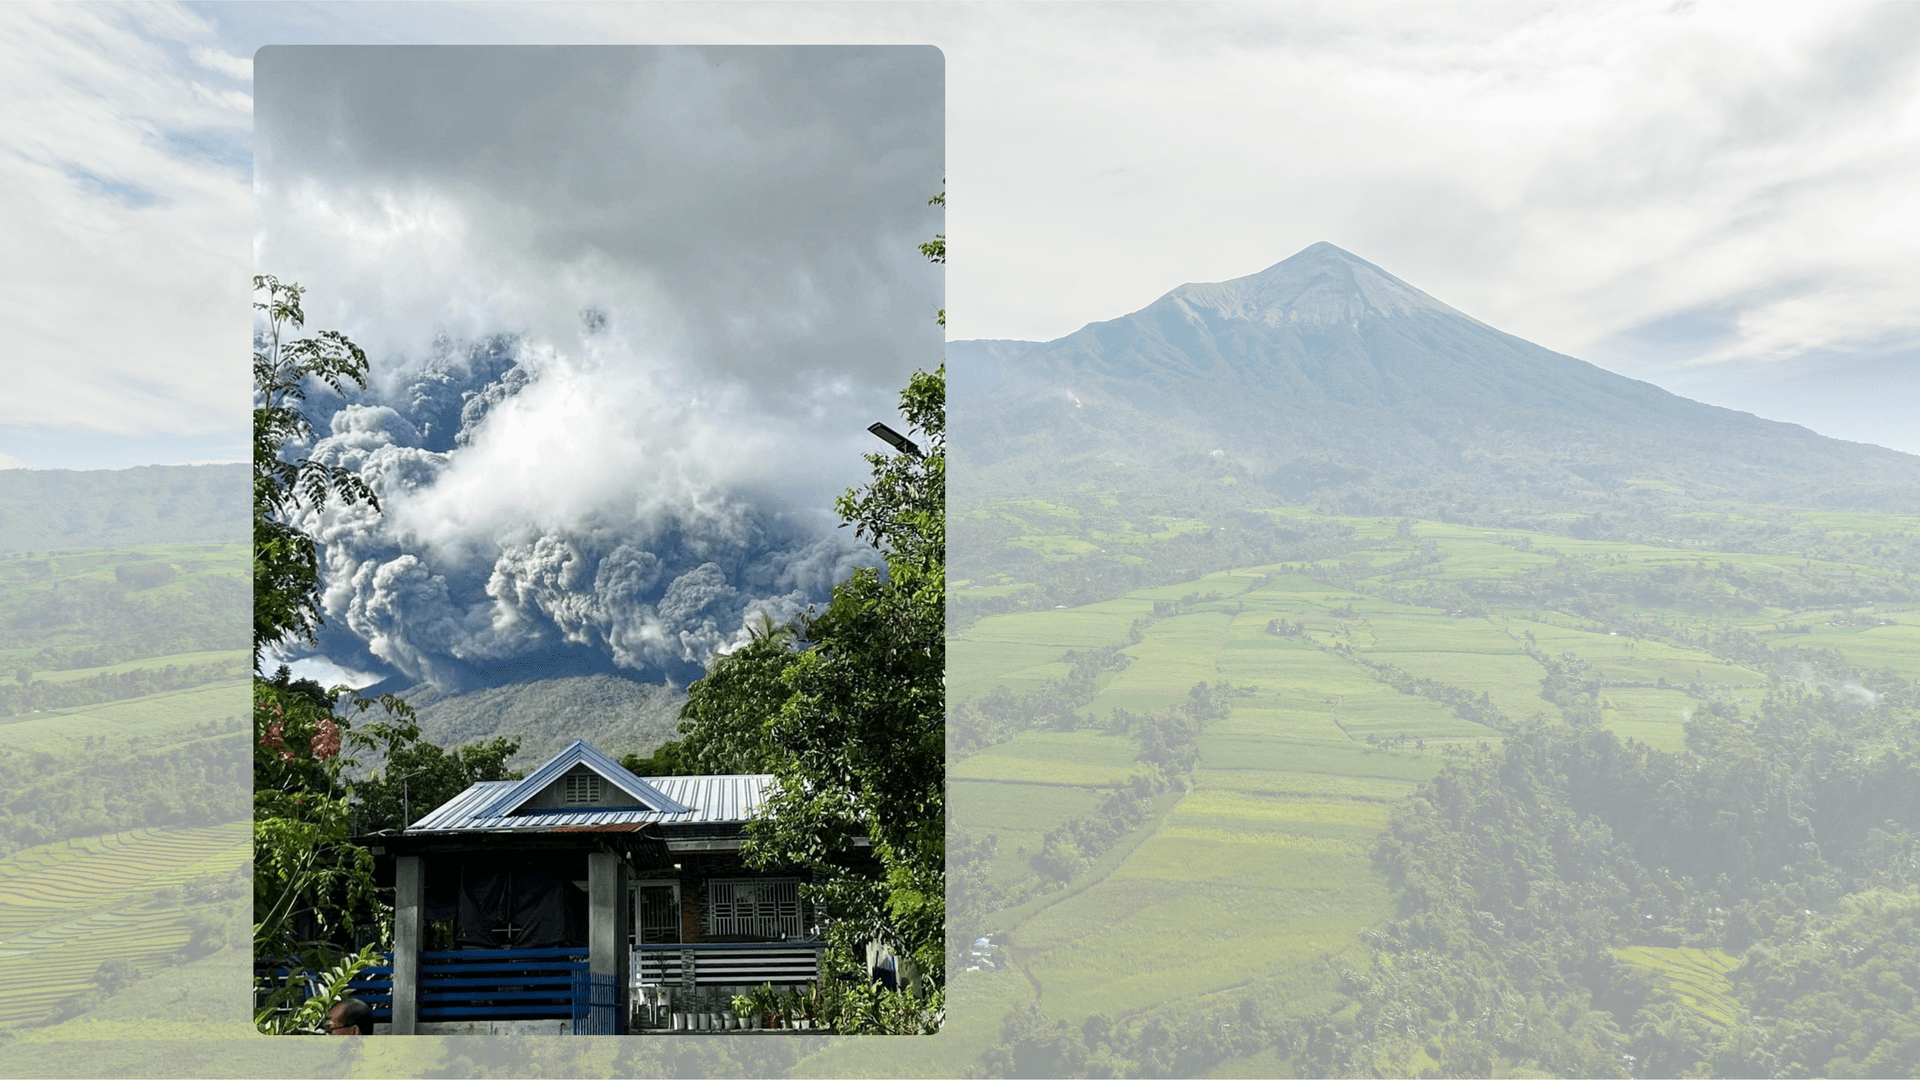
(68, 907)
(123, 840)
(1347, 681)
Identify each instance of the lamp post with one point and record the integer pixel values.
(898, 441)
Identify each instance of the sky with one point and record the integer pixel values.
(629, 309)
(1714, 198)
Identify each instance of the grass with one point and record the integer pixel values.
(184, 1020)
(1624, 659)
(238, 660)
(1200, 908)
(1084, 758)
(1016, 816)
(1260, 874)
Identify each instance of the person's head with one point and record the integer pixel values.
(350, 1016)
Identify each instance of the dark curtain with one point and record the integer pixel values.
(513, 907)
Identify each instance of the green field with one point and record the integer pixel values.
(67, 907)
(119, 721)
(1698, 977)
(1260, 876)
(237, 659)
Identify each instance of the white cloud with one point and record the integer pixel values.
(1565, 172)
(236, 67)
(1581, 175)
(699, 276)
(125, 297)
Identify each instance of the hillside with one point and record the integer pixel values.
(614, 714)
(1324, 379)
(42, 509)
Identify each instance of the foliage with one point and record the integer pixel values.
(862, 737)
(311, 887)
(314, 892)
(193, 775)
(418, 776)
(725, 722)
(286, 567)
(846, 709)
(298, 1009)
(99, 689)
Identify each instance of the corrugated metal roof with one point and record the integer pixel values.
(579, 752)
(709, 800)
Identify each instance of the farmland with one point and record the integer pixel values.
(122, 767)
(1355, 677)
(68, 907)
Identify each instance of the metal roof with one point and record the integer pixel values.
(578, 752)
(705, 800)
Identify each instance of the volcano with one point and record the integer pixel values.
(1325, 378)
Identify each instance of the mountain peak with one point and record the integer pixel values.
(1321, 285)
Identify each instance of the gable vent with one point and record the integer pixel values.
(584, 789)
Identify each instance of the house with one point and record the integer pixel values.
(565, 897)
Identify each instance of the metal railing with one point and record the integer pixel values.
(747, 963)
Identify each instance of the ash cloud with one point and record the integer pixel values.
(630, 311)
(652, 570)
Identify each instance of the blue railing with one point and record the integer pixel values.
(494, 984)
(502, 984)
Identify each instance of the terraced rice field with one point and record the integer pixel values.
(1092, 759)
(65, 908)
(1698, 977)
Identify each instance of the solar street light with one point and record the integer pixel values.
(900, 442)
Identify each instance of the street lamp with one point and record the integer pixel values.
(900, 442)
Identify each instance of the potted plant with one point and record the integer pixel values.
(765, 1002)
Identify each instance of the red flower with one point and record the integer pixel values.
(275, 740)
(326, 740)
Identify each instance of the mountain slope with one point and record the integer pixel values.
(1324, 377)
(86, 510)
(614, 714)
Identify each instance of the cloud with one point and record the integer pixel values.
(471, 561)
(630, 312)
(126, 307)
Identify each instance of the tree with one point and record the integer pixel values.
(420, 776)
(286, 565)
(861, 737)
(313, 891)
(726, 721)
(847, 710)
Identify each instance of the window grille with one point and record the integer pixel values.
(583, 788)
(659, 913)
(755, 907)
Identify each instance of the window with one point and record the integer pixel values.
(755, 907)
(583, 788)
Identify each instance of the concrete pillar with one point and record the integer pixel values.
(607, 923)
(409, 898)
